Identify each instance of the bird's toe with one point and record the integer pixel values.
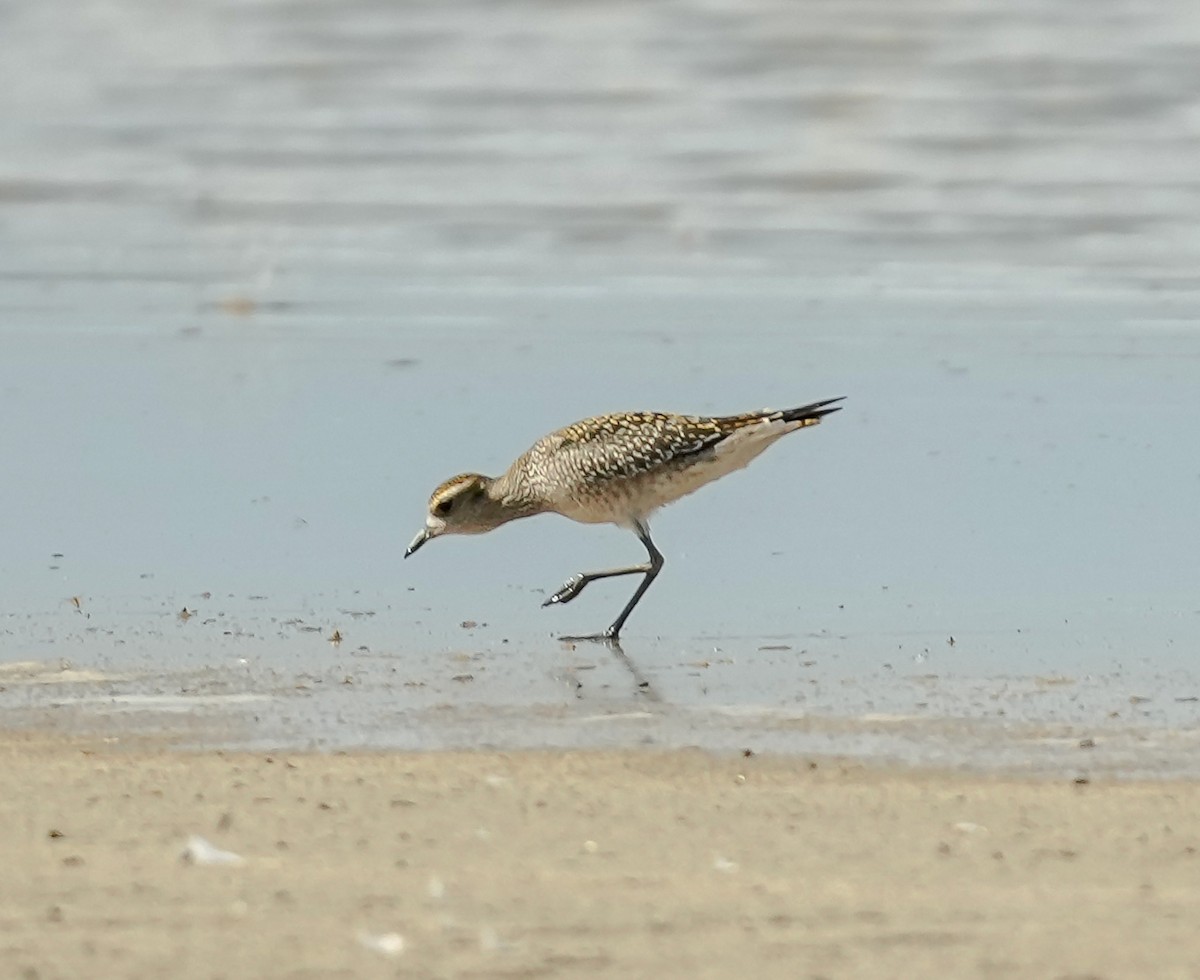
(569, 591)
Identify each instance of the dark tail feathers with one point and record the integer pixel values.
(809, 413)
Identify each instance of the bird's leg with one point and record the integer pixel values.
(577, 583)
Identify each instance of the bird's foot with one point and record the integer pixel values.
(608, 637)
(574, 585)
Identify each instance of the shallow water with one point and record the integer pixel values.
(269, 272)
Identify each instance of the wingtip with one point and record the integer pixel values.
(814, 411)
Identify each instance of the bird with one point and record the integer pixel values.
(611, 469)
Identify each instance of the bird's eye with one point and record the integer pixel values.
(443, 507)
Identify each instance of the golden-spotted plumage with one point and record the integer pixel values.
(615, 469)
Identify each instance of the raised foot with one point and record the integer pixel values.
(569, 591)
(607, 636)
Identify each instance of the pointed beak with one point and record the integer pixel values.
(416, 543)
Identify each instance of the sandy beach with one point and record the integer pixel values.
(671, 864)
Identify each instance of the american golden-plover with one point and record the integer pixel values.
(612, 469)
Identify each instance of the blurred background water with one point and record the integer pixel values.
(269, 271)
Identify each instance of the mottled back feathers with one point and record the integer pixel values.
(622, 466)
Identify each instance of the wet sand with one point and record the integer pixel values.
(672, 864)
(271, 272)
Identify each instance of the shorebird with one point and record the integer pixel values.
(611, 469)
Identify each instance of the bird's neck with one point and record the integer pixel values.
(514, 498)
